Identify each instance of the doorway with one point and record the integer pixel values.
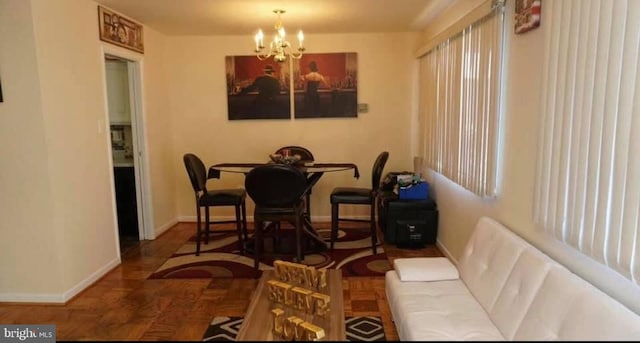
(122, 76)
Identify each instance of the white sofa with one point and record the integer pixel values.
(502, 289)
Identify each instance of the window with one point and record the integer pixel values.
(588, 173)
(459, 103)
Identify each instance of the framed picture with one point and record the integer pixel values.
(326, 85)
(318, 86)
(119, 30)
(257, 89)
(1, 100)
(527, 15)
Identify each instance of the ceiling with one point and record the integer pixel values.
(244, 17)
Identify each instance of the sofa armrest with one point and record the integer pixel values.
(425, 269)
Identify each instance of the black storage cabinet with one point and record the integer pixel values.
(407, 223)
(126, 202)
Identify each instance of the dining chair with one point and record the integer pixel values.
(206, 199)
(278, 192)
(305, 156)
(359, 196)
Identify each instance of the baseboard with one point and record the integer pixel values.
(193, 219)
(327, 219)
(166, 226)
(319, 219)
(64, 297)
(446, 252)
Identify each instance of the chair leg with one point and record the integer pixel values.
(308, 205)
(299, 239)
(276, 236)
(374, 235)
(239, 229)
(257, 243)
(243, 209)
(198, 231)
(334, 222)
(207, 220)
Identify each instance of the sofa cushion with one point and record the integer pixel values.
(487, 260)
(437, 310)
(568, 308)
(425, 269)
(519, 290)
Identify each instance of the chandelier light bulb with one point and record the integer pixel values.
(279, 47)
(259, 38)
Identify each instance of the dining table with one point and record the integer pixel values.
(314, 172)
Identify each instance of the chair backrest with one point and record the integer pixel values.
(305, 154)
(275, 185)
(378, 167)
(197, 172)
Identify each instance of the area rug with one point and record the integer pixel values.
(358, 329)
(221, 258)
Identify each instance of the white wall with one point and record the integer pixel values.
(200, 124)
(460, 209)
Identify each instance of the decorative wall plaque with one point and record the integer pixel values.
(527, 15)
(119, 30)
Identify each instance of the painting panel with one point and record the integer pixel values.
(257, 89)
(326, 85)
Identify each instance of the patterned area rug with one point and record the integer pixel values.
(358, 329)
(221, 258)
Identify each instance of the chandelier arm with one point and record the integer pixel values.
(297, 55)
(279, 47)
(262, 57)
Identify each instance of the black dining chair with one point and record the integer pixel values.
(278, 192)
(305, 156)
(359, 196)
(206, 198)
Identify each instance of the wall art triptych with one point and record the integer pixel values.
(318, 86)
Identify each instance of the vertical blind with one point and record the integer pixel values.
(588, 173)
(459, 104)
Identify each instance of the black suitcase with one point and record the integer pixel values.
(407, 223)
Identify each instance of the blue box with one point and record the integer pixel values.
(419, 191)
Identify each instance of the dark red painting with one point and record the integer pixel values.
(318, 86)
(326, 85)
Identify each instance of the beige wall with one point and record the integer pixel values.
(26, 196)
(200, 124)
(57, 200)
(158, 127)
(460, 209)
(72, 105)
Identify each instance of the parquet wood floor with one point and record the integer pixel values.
(124, 305)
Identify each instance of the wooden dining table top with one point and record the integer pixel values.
(309, 167)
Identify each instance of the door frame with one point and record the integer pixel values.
(135, 63)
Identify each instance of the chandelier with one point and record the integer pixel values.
(279, 47)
